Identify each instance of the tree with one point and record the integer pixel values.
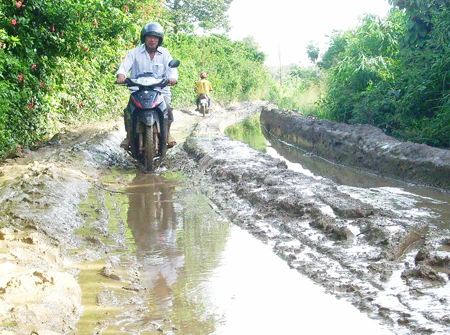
(424, 103)
(186, 16)
(420, 14)
(312, 51)
(338, 43)
(360, 65)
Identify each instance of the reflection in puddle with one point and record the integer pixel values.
(248, 131)
(255, 292)
(210, 277)
(179, 239)
(152, 220)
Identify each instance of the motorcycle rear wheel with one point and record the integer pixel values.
(202, 109)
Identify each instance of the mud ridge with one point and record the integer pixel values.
(361, 146)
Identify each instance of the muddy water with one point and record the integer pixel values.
(204, 275)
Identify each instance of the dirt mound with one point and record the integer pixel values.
(361, 146)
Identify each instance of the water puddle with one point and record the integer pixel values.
(208, 276)
(255, 292)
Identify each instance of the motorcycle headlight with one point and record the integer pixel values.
(145, 81)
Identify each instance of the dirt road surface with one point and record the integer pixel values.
(392, 264)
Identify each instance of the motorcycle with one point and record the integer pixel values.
(149, 118)
(203, 104)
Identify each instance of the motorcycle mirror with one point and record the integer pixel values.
(174, 63)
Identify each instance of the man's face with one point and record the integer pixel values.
(151, 42)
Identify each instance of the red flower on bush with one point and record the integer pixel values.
(52, 28)
(20, 78)
(41, 84)
(95, 23)
(126, 8)
(13, 22)
(80, 104)
(33, 66)
(86, 49)
(19, 4)
(31, 106)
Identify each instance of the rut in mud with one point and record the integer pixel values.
(63, 224)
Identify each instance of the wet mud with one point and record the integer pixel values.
(361, 146)
(72, 259)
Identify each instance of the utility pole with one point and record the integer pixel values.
(279, 59)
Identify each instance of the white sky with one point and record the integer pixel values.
(283, 28)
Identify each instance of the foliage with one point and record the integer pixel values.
(312, 50)
(393, 73)
(235, 68)
(362, 59)
(300, 90)
(423, 107)
(58, 62)
(338, 43)
(420, 14)
(186, 16)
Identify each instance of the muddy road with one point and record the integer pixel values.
(91, 245)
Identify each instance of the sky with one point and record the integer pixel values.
(284, 28)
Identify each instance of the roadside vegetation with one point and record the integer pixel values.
(392, 73)
(58, 61)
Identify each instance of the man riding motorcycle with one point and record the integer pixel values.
(149, 57)
(203, 86)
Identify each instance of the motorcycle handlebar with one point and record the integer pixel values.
(163, 83)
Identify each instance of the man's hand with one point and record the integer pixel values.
(120, 79)
(172, 82)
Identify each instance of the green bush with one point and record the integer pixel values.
(235, 69)
(57, 63)
(393, 73)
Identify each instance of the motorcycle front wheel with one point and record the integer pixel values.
(149, 147)
(162, 147)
